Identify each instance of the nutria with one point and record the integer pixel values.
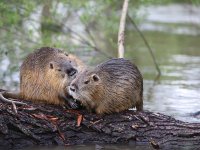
(112, 86)
(44, 76)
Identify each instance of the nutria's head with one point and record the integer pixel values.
(60, 74)
(62, 69)
(85, 87)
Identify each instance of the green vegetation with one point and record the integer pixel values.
(99, 21)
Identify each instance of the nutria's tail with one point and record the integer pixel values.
(10, 95)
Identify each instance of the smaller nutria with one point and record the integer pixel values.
(112, 86)
(45, 75)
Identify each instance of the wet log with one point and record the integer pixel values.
(41, 124)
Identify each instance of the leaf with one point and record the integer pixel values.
(79, 120)
(40, 116)
(27, 107)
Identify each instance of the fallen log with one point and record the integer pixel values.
(41, 124)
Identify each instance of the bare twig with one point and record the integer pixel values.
(91, 38)
(122, 29)
(147, 44)
(85, 41)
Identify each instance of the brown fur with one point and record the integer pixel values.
(44, 76)
(112, 86)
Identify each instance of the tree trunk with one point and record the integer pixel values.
(41, 124)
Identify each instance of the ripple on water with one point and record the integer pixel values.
(177, 93)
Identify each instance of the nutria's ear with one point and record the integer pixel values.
(51, 65)
(95, 77)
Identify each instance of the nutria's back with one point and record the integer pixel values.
(112, 86)
(45, 74)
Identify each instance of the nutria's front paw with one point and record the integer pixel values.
(74, 105)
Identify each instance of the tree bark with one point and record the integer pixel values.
(42, 124)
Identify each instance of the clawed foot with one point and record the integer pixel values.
(73, 104)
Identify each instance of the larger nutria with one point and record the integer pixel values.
(112, 86)
(45, 75)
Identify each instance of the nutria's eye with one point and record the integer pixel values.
(59, 70)
(86, 82)
(95, 77)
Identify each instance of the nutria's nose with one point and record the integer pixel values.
(72, 88)
(71, 71)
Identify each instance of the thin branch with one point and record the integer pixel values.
(122, 29)
(94, 43)
(91, 38)
(147, 44)
(88, 43)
